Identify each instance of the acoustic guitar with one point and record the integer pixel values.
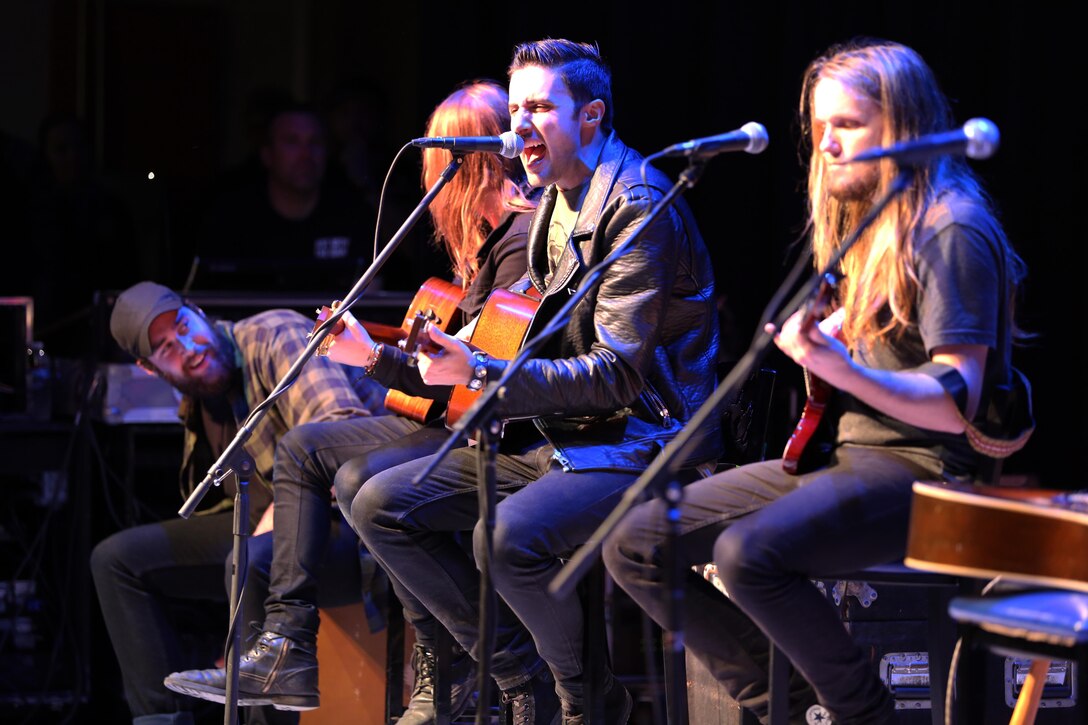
(818, 391)
(436, 301)
(500, 332)
(1032, 535)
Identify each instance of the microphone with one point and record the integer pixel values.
(751, 137)
(978, 139)
(508, 144)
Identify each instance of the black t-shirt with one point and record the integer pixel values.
(956, 259)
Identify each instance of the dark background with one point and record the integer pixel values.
(161, 85)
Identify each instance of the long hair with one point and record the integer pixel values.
(485, 185)
(878, 270)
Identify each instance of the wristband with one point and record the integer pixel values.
(479, 371)
(375, 356)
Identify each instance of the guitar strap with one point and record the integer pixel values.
(1008, 420)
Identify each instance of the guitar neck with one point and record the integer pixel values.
(388, 334)
(818, 392)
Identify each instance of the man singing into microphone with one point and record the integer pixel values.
(586, 413)
(923, 341)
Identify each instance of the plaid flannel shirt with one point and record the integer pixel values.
(266, 345)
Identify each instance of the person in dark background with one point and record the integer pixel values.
(260, 106)
(291, 230)
(353, 113)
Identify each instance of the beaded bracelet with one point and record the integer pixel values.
(479, 371)
(375, 356)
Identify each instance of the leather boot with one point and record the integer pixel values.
(278, 671)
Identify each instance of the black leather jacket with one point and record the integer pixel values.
(639, 354)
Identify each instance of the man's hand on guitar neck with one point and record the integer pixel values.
(452, 364)
(353, 346)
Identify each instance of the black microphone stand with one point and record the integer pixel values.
(242, 464)
(667, 463)
(480, 417)
(487, 441)
(233, 459)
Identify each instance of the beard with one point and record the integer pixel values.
(218, 375)
(857, 184)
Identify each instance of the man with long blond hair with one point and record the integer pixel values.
(923, 340)
(478, 218)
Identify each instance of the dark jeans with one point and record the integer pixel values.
(769, 532)
(343, 573)
(137, 573)
(542, 513)
(141, 572)
(307, 459)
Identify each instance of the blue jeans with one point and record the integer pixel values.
(769, 532)
(542, 513)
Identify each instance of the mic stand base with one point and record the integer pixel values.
(239, 563)
(487, 441)
(676, 696)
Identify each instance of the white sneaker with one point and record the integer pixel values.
(818, 715)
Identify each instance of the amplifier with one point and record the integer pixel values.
(133, 396)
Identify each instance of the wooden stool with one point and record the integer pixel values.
(351, 675)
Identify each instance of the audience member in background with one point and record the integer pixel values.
(291, 230)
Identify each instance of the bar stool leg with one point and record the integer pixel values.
(1027, 704)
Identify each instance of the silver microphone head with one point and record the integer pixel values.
(982, 138)
(757, 137)
(512, 144)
